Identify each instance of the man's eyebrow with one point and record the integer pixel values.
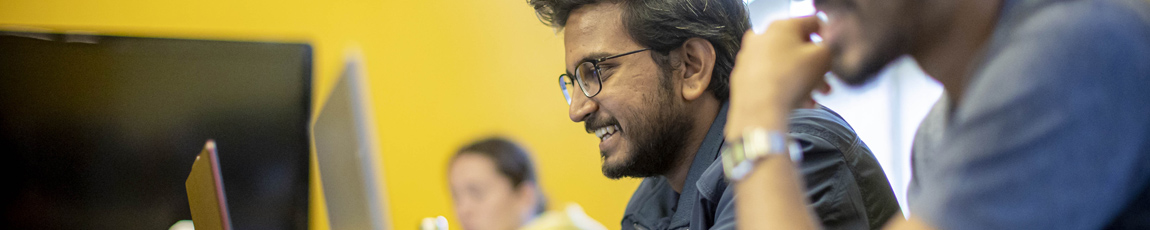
(594, 56)
(589, 57)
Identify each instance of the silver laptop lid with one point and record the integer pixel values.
(347, 154)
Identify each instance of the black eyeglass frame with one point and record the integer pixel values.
(579, 79)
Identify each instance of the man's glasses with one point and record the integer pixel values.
(587, 75)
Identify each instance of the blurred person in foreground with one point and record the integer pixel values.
(1044, 122)
(494, 186)
(649, 79)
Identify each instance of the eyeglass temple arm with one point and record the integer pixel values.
(620, 55)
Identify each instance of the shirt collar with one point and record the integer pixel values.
(707, 153)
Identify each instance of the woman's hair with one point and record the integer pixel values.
(512, 162)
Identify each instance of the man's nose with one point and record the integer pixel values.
(581, 106)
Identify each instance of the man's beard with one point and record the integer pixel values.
(882, 49)
(867, 69)
(657, 139)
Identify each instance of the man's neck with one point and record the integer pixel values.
(949, 48)
(707, 111)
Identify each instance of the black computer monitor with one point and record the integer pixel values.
(100, 132)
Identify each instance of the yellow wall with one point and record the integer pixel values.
(441, 72)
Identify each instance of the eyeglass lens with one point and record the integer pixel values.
(588, 78)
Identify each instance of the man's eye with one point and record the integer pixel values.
(605, 71)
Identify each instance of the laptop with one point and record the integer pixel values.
(346, 148)
(206, 191)
(101, 129)
(347, 152)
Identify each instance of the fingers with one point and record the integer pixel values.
(820, 56)
(796, 30)
(801, 27)
(821, 86)
(805, 25)
(782, 58)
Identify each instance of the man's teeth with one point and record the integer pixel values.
(604, 132)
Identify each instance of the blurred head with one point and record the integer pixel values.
(865, 35)
(643, 111)
(493, 185)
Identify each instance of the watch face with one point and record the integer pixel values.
(795, 151)
(739, 156)
(732, 156)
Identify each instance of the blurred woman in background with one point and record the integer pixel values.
(494, 186)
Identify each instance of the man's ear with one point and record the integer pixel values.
(699, 62)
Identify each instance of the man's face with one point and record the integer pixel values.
(865, 35)
(638, 106)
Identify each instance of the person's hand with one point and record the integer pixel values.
(775, 72)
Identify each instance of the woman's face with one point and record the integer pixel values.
(484, 198)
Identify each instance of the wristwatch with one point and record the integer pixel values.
(740, 156)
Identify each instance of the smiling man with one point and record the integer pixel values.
(1043, 124)
(649, 79)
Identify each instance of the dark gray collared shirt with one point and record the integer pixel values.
(845, 184)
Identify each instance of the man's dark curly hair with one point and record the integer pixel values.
(663, 25)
